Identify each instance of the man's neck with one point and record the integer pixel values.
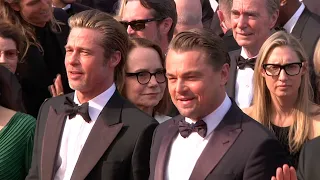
(85, 96)
(251, 52)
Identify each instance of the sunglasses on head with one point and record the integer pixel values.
(139, 25)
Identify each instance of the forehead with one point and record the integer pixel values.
(84, 37)
(249, 5)
(6, 43)
(143, 58)
(282, 55)
(135, 11)
(193, 60)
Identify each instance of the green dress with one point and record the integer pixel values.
(16, 144)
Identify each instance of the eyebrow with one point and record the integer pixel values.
(80, 48)
(247, 12)
(146, 70)
(188, 73)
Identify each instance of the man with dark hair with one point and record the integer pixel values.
(299, 21)
(154, 20)
(251, 22)
(212, 138)
(70, 6)
(92, 133)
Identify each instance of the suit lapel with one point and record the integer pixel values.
(104, 131)
(303, 19)
(51, 141)
(164, 149)
(221, 140)
(230, 86)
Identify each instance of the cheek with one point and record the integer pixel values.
(133, 89)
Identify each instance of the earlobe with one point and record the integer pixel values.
(283, 2)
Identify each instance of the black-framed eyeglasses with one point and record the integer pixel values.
(144, 77)
(291, 69)
(139, 25)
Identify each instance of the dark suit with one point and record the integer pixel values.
(76, 8)
(109, 6)
(307, 32)
(118, 146)
(231, 84)
(207, 13)
(230, 42)
(309, 161)
(40, 66)
(239, 148)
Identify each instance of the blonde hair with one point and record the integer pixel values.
(11, 16)
(115, 37)
(262, 103)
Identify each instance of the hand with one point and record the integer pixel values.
(56, 89)
(285, 173)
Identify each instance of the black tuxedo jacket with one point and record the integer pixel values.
(118, 146)
(307, 31)
(239, 148)
(109, 6)
(231, 84)
(309, 161)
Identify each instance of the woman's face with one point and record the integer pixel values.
(35, 12)
(285, 81)
(8, 54)
(145, 94)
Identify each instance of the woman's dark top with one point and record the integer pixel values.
(282, 135)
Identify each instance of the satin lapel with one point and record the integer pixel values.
(300, 25)
(221, 140)
(231, 84)
(51, 140)
(166, 142)
(104, 131)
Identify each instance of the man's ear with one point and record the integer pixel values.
(225, 74)
(15, 6)
(114, 59)
(222, 21)
(166, 25)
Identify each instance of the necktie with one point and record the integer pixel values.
(186, 129)
(72, 109)
(242, 62)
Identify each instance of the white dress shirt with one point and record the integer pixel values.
(76, 132)
(244, 84)
(185, 152)
(294, 19)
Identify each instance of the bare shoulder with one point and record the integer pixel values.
(248, 110)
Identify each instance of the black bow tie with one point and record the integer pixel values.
(186, 129)
(242, 62)
(72, 109)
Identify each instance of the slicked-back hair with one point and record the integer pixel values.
(162, 9)
(115, 37)
(202, 40)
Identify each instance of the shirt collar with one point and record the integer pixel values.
(244, 54)
(294, 19)
(213, 119)
(97, 104)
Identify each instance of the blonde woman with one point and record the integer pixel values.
(282, 97)
(316, 62)
(45, 40)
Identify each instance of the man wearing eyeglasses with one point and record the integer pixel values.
(154, 20)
